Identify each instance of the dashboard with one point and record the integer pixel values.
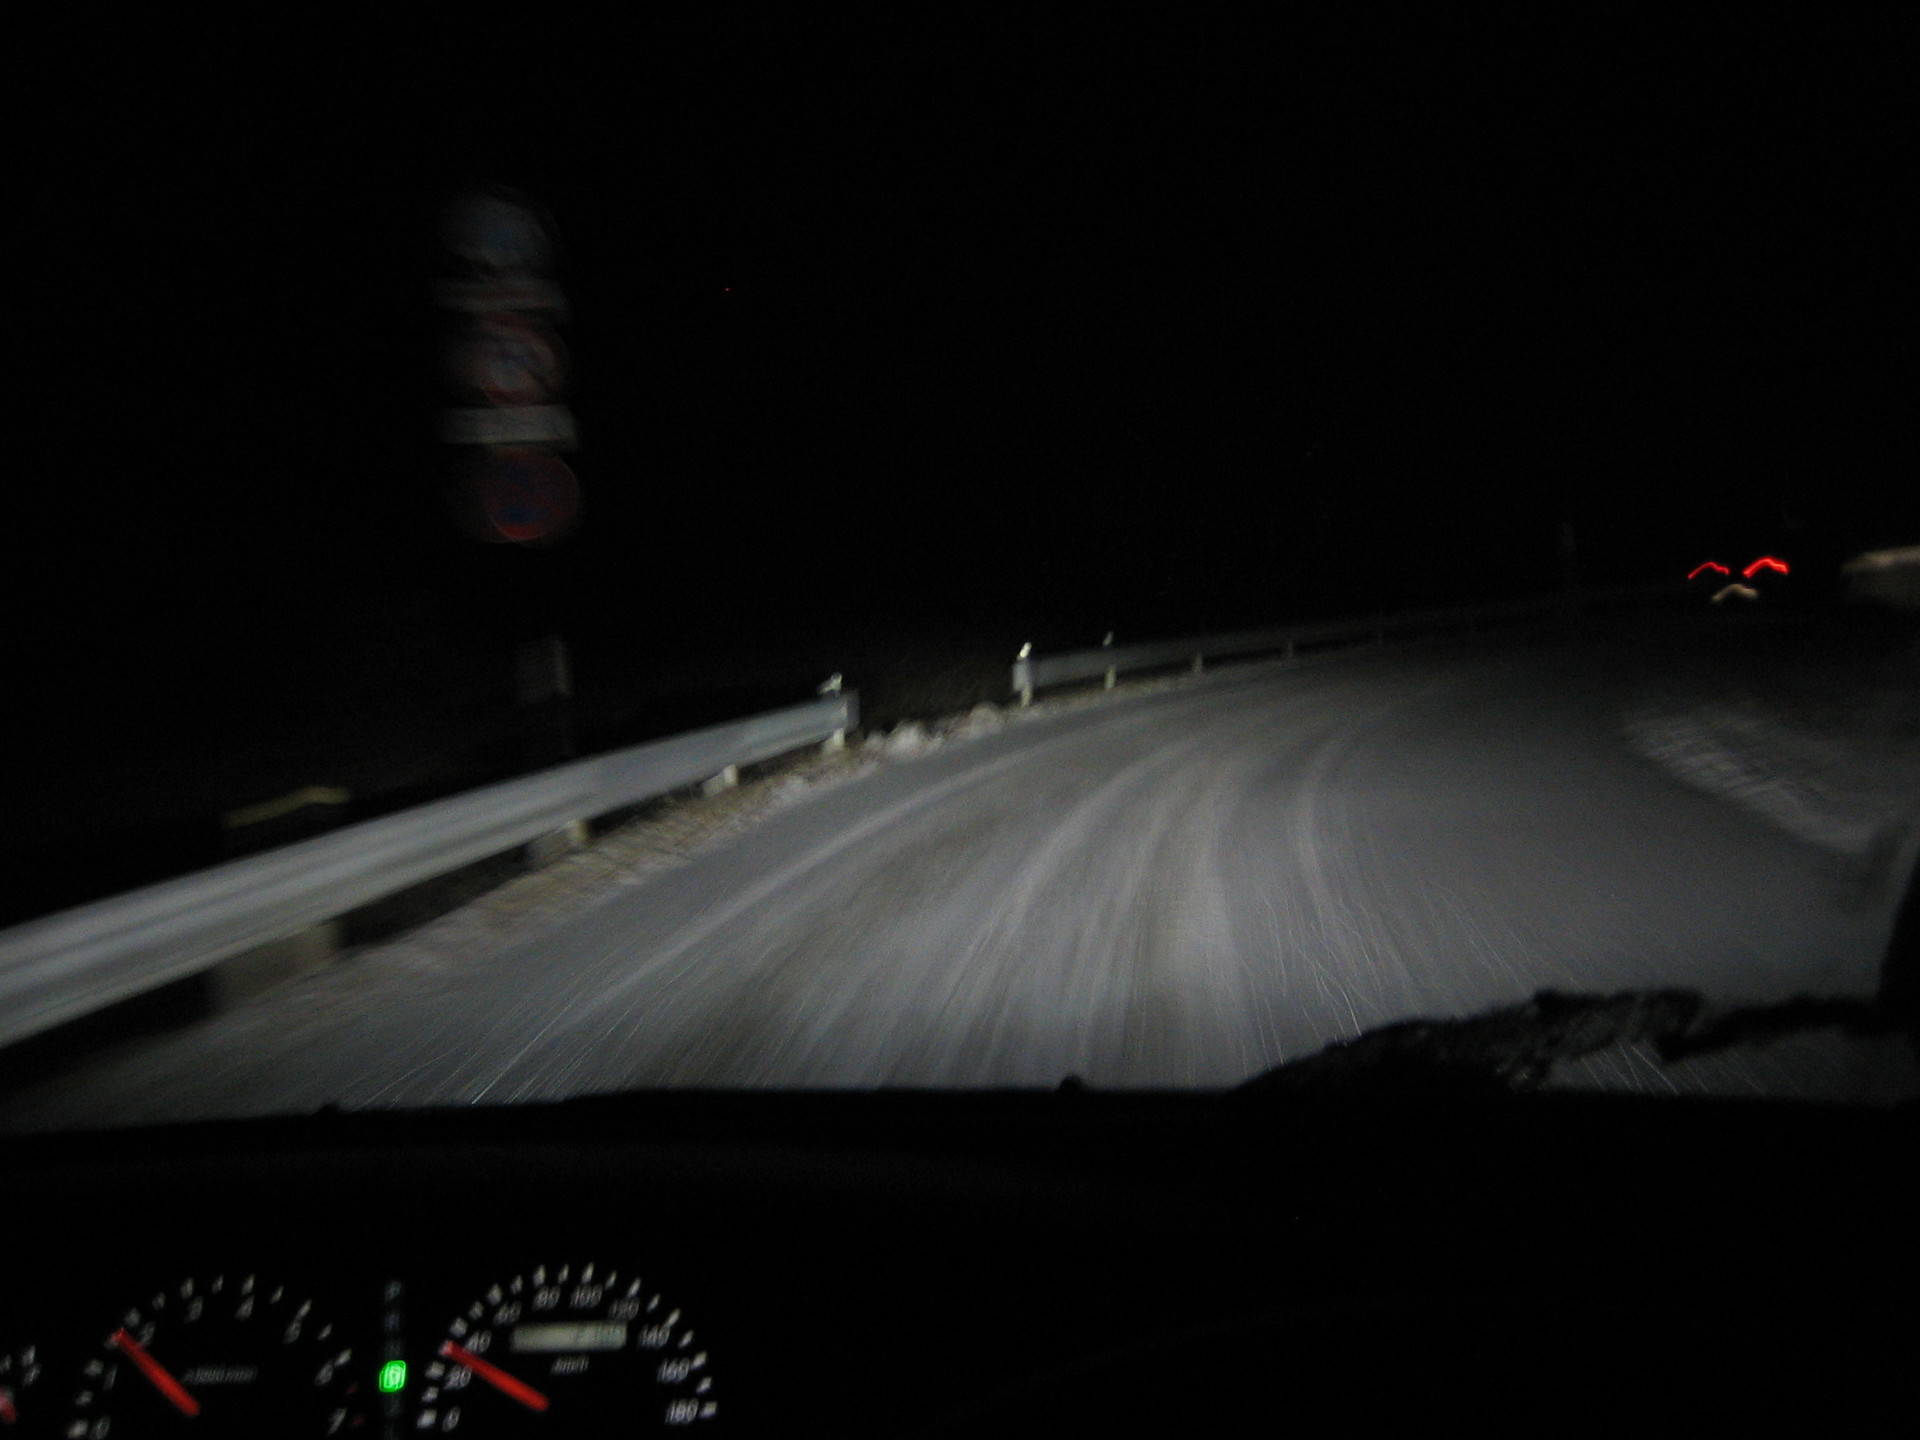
(930, 1264)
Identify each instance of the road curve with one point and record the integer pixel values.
(1177, 889)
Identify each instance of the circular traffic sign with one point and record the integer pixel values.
(528, 495)
(510, 359)
(496, 231)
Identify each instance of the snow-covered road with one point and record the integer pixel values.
(1178, 886)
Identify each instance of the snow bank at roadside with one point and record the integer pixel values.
(1853, 790)
(674, 830)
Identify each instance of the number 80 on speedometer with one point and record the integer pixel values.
(567, 1350)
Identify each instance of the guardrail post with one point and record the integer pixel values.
(1108, 644)
(1023, 674)
(1290, 660)
(546, 849)
(1199, 665)
(242, 976)
(725, 780)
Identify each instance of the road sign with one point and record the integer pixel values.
(498, 232)
(510, 359)
(502, 246)
(528, 494)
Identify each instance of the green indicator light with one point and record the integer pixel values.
(393, 1376)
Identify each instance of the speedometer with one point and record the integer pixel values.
(575, 1350)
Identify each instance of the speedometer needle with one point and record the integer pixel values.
(157, 1373)
(496, 1377)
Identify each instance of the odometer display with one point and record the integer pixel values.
(575, 1350)
(599, 1335)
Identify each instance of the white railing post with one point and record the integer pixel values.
(543, 850)
(1355, 631)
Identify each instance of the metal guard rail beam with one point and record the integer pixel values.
(72, 963)
(1033, 673)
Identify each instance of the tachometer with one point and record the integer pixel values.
(232, 1355)
(572, 1350)
(23, 1398)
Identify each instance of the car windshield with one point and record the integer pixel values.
(558, 560)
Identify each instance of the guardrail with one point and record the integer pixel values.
(1031, 673)
(70, 964)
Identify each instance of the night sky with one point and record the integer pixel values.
(1033, 327)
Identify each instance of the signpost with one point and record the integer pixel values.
(543, 686)
(506, 371)
(507, 368)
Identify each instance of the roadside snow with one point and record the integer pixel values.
(1847, 781)
(674, 830)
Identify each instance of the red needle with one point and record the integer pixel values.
(499, 1379)
(156, 1372)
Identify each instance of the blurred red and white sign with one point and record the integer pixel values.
(528, 494)
(510, 359)
(500, 246)
(498, 232)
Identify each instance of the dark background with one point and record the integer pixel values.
(954, 333)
